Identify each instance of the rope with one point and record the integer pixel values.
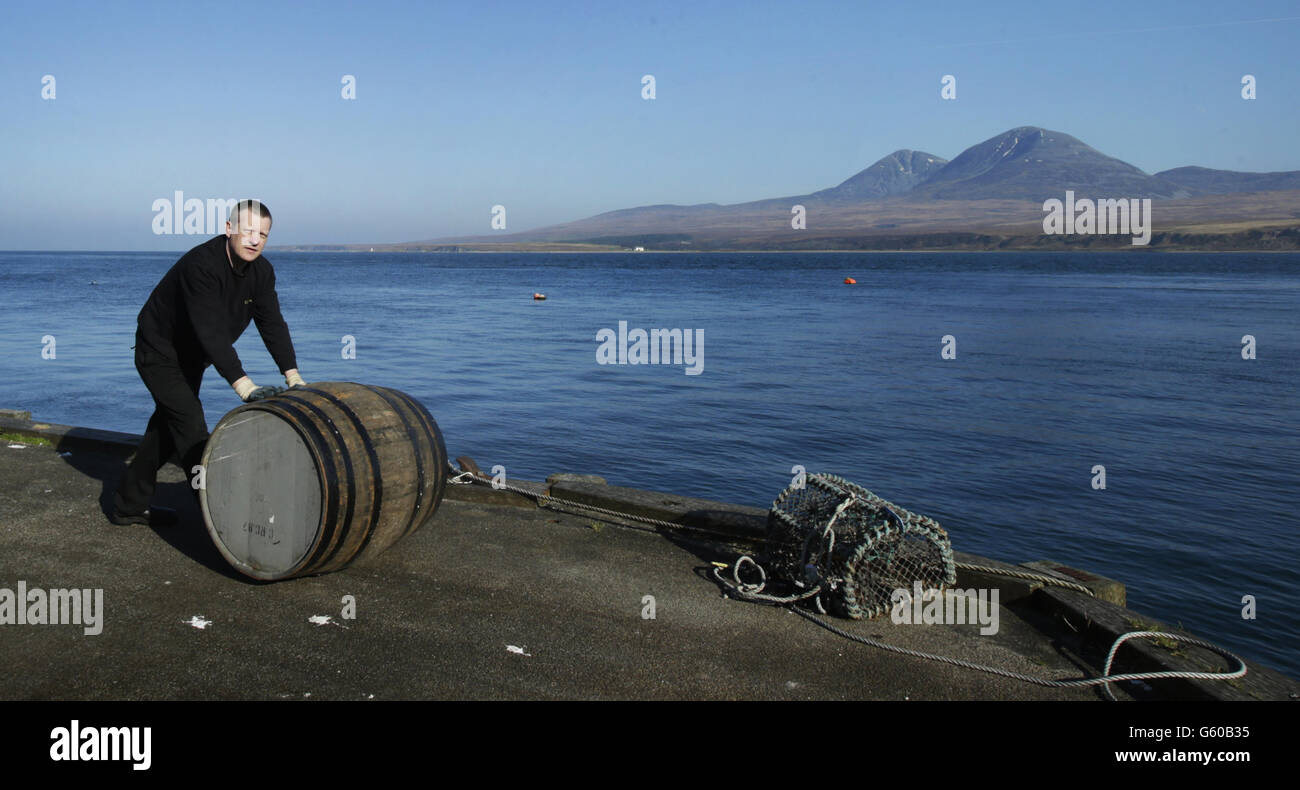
(1104, 680)
(754, 592)
(469, 478)
(1027, 575)
(827, 539)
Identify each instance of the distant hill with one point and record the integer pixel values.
(1030, 163)
(896, 174)
(993, 190)
(1219, 182)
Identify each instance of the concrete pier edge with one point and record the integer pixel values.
(1096, 621)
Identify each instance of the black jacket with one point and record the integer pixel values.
(202, 306)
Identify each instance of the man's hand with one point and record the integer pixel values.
(292, 380)
(263, 392)
(249, 392)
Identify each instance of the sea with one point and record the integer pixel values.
(1130, 414)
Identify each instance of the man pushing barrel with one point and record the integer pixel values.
(191, 320)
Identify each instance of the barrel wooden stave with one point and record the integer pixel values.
(379, 461)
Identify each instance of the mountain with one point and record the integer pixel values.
(1031, 163)
(895, 174)
(1219, 182)
(992, 190)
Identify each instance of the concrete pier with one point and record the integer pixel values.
(499, 599)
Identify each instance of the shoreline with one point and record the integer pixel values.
(548, 545)
(936, 251)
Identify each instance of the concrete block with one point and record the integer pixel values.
(734, 522)
(1009, 589)
(1101, 587)
(1099, 623)
(571, 477)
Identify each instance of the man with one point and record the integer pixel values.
(192, 320)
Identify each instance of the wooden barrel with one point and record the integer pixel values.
(320, 477)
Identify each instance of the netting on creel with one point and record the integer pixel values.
(856, 545)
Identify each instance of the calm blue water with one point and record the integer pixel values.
(1064, 361)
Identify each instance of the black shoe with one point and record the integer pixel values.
(153, 517)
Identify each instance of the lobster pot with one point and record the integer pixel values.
(320, 477)
(858, 546)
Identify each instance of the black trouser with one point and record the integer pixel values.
(177, 430)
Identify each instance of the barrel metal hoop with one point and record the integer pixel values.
(411, 434)
(376, 504)
(318, 560)
(437, 448)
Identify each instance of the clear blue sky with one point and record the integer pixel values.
(537, 106)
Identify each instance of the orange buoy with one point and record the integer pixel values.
(539, 297)
(850, 281)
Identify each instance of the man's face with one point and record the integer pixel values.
(249, 238)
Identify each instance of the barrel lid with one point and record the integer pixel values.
(261, 497)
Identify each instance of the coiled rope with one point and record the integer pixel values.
(754, 592)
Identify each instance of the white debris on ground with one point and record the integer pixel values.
(519, 650)
(198, 622)
(17, 446)
(324, 619)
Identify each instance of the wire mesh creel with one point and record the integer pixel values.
(856, 545)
